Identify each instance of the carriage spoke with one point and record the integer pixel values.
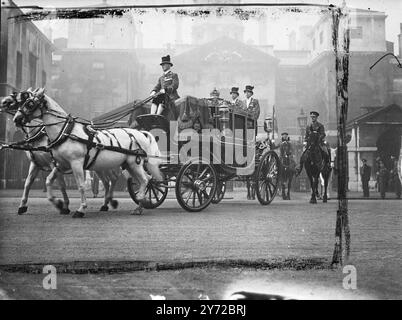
(155, 194)
(199, 195)
(189, 196)
(202, 173)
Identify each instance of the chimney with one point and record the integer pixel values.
(262, 30)
(400, 41)
(292, 40)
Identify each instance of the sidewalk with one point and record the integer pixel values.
(238, 194)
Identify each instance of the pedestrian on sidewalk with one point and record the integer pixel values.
(365, 173)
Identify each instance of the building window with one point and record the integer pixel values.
(321, 37)
(356, 33)
(18, 78)
(98, 65)
(32, 70)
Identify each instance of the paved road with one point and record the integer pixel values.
(234, 229)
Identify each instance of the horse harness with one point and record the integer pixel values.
(65, 134)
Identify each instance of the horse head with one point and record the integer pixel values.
(32, 106)
(313, 141)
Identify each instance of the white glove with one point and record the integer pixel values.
(304, 144)
(162, 91)
(153, 93)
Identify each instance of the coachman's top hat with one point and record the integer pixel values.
(314, 113)
(234, 90)
(166, 59)
(249, 89)
(284, 133)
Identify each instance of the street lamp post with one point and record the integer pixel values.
(302, 124)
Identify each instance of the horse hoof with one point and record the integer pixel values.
(114, 204)
(78, 214)
(65, 211)
(59, 204)
(137, 211)
(313, 201)
(104, 208)
(22, 210)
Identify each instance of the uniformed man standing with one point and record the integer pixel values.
(395, 176)
(365, 174)
(318, 127)
(251, 104)
(167, 87)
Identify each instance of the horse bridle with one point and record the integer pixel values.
(32, 104)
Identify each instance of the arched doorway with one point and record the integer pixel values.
(389, 144)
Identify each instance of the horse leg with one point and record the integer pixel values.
(289, 185)
(32, 173)
(248, 189)
(105, 182)
(326, 178)
(252, 190)
(49, 186)
(137, 171)
(63, 187)
(78, 171)
(114, 176)
(310, 176)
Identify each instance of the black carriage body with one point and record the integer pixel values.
(226, 132)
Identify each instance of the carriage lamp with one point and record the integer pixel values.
(224, 117)
(268, 125)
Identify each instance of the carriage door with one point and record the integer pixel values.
(240, 140)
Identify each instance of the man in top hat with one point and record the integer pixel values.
(167, 87)
(365, 174)
(251, 104)
(235, 102)
(314, 126)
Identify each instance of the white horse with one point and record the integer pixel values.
(43, 161)
(73, 149)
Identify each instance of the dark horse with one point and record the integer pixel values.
(316, 163)
(288, 169)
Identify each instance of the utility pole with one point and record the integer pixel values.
(341, 42)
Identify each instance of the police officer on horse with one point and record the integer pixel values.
(314, 127)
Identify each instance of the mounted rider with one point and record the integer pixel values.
(167, 87)
(314, 127)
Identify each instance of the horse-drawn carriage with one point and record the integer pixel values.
(223, 148)
(195, 148)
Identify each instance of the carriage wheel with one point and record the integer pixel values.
(267, 177)
(196, 186)
(220, 192)
(155, 193)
